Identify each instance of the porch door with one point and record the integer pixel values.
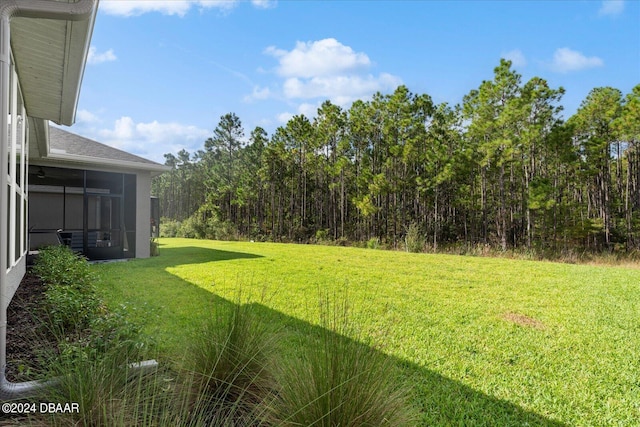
(103, 232)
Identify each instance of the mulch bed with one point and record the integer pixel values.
(27, 339)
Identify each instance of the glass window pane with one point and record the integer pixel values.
(17, 231)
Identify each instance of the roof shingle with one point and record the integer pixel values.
(63, 142)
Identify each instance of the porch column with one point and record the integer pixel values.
(143, 214)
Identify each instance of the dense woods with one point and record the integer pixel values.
(502, 169)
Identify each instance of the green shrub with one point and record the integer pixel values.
(69, 310)
(220, 230)
(414, 239)
(96, 370)
(205, 224)
(59, 266)
(114, 331)
(92, 361)
(322, 235)
(192, 228)
(342, 241)
(70, 299)
(373, 243)
(169, 227)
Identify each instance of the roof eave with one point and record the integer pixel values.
(107, 163)
(73, 78)
(50, 57)
(38, 137)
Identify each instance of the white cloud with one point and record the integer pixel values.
(340, 89)
(315, 71)
(84, 116)
(264, 4)
(96, 58)
(611, 8)
(516, 57)
(285, 117)
(258, 94)
(122, 131)
(174, 7)
(309, 110)
(326, 69)
(566, 60)
(152, 140)
(325, 57)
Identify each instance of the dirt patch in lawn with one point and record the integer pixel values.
(523, 320)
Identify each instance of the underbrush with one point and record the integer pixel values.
(414, 240)
(565, 255)
(201, 225)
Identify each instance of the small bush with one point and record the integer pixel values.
(192, 228)
(414, 239)
(70, 299)
(69, 310)
(322, 235)
(373, 243)
(207, 225)
(169, 227)
(114, 331)
(96, 371)
(220, 230)
(342, 241)
(59, 266)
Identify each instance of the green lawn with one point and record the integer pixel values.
(483, 341)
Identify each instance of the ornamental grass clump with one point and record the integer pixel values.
(97, 371)
(338, 381)
(106, 391)
(228, 379)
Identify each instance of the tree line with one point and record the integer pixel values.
(502, 169)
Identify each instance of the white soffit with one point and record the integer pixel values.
(50, 56)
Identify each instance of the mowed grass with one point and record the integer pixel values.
(482, 341)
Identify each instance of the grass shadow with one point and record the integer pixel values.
(198, 255)
(440, 401)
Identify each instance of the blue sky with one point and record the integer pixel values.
(161, 73)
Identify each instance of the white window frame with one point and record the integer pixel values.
(17, 185)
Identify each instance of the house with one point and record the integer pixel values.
(43, 52)
(93, 197)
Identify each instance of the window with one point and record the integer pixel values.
(16, 174)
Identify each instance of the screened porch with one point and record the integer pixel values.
(92, 212)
